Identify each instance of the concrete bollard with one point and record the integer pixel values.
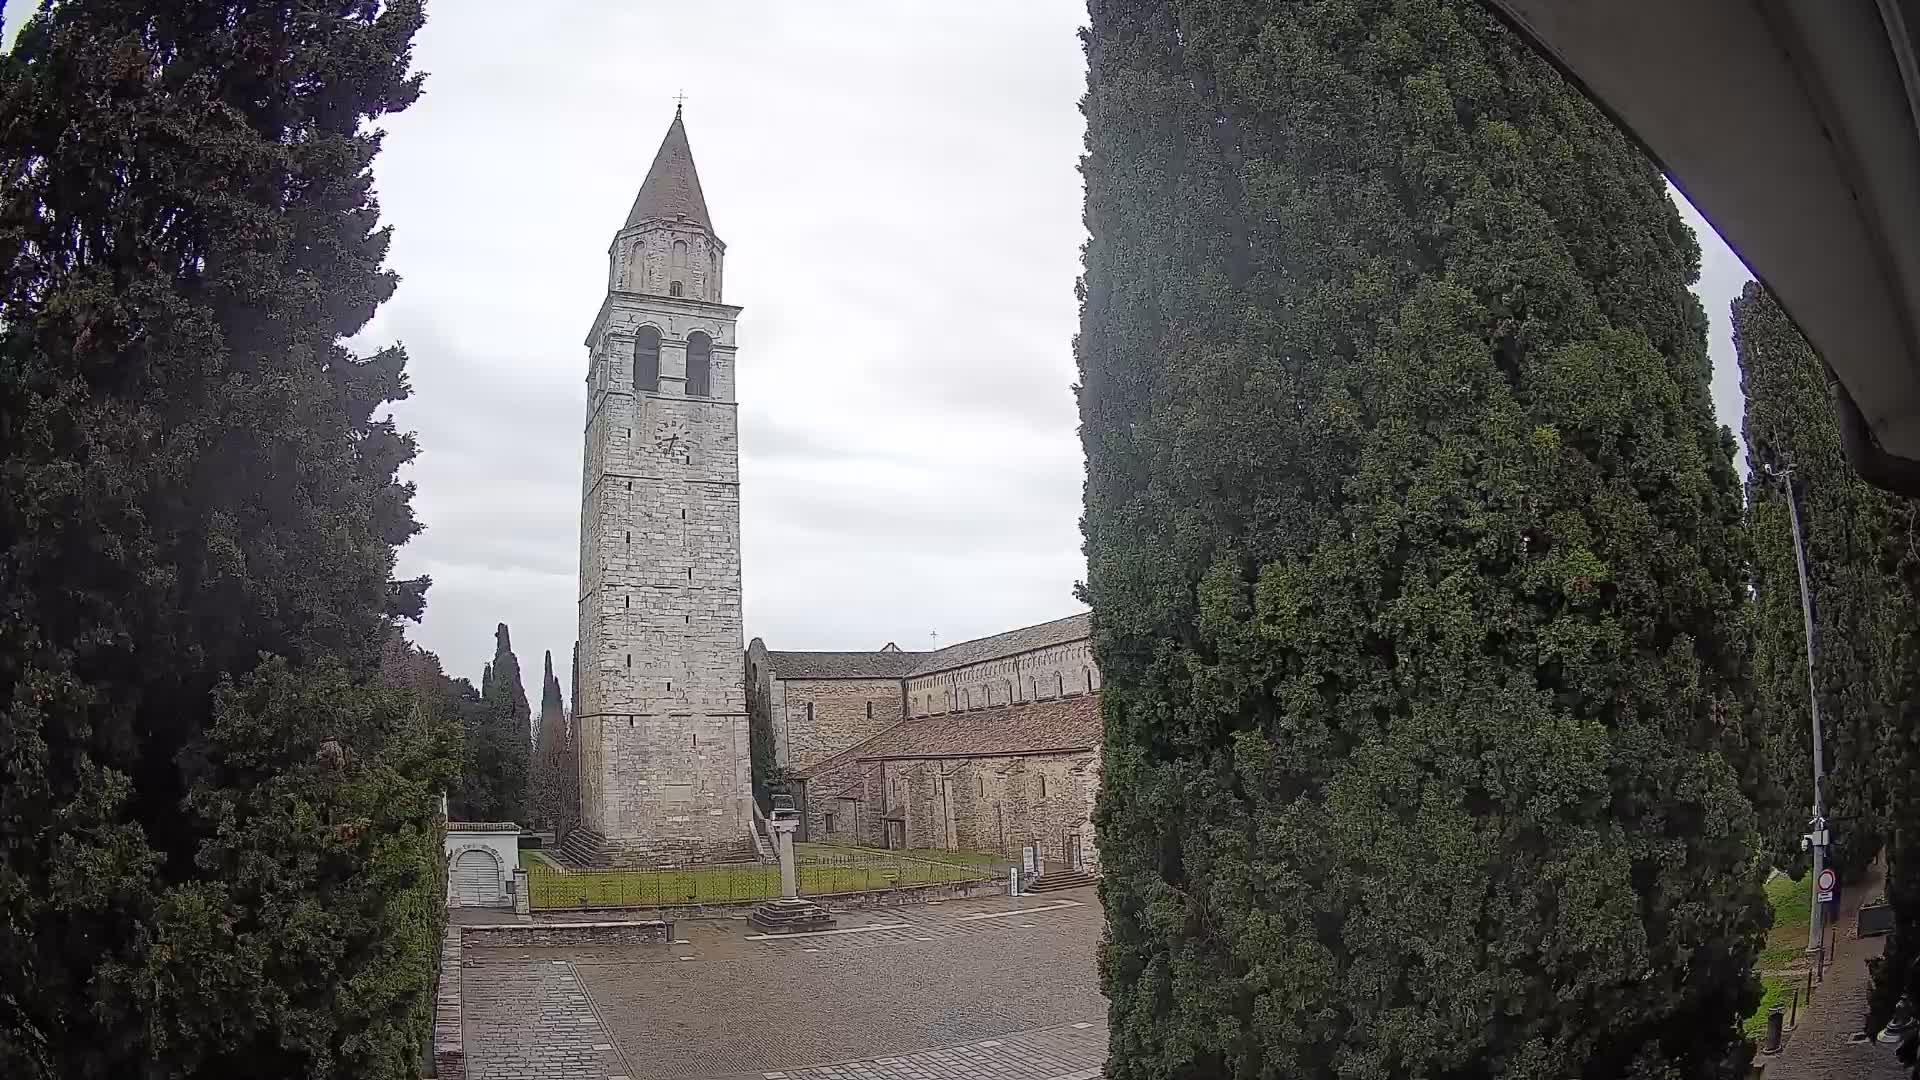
(1776, 1019)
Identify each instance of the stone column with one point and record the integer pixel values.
(789, 914)
(789, 876)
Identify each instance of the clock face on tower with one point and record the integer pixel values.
(670, 438)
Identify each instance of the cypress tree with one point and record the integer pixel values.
(570, 762)
(479, 796)
(214, 826)
(510, 721)
(1861, 613)
(546, 793)
(1416, 562)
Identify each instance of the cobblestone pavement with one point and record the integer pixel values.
(1825, 1045)
(1068, 1052)
(530, 1020)
(723, 1001)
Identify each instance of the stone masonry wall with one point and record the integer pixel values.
(662, 713)
(541, 935)
(1030, 676)
(976, 804)
(818, 718)
(642, 260)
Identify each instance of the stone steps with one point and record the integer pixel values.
(1055, 880)
(791, 916)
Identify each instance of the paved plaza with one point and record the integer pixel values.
(999, 988)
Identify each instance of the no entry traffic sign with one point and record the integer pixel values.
(1825, 885)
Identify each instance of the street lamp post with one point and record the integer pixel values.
(1817, 839)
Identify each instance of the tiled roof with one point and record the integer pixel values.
(1025, 639)
(672, 186)
(1059, 725)
(840, 665)
(894, 664)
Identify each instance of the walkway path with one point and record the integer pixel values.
(1827, 1045)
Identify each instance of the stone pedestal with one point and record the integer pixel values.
(791, 915)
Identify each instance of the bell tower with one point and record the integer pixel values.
(662, 712)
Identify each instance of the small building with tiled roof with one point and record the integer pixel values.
(990, 744)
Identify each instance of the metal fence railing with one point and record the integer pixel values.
(821, 871)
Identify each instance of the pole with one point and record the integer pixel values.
(1816, 933)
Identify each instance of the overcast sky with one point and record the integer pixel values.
(897, 189)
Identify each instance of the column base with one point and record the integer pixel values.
(791, 915)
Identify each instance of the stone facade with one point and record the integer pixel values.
(811, 709)
(988, 745)
(496, 847)
(1039, 675)
(997, 780)
(661, 716)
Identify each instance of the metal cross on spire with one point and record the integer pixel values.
(679, 99)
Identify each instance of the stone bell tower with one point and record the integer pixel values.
(662, 715)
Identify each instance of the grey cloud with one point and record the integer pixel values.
(898, 188)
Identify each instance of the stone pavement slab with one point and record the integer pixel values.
(947, 987)
(533, 1021)
(1068, 1052)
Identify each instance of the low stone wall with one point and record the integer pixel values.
(523, 935)
(449, 1037)
(897, 896)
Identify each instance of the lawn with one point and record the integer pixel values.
(822, 870)
(1787, 941)
(1791, 902)
(1786, 947)
(1774, 990)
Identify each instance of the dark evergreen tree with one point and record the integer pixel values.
(1416, 562)
(570, 762)
(485, 759)
(546, 785)
(1861, 614)
(213, 863)
(509, 742)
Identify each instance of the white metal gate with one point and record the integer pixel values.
(476, 880)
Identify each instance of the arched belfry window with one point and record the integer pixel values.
(699, 365)
(646, 360)
(678, 276)
(676, 289)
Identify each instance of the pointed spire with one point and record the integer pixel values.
(672, 186)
